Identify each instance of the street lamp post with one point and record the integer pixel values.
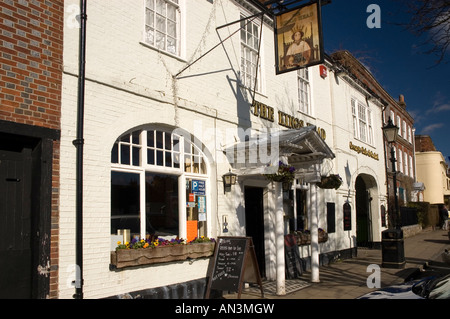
(391, 132)
(393, 252)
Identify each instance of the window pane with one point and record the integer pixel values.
(161, 205)
(150, 4)
(171, 12)
(187, 164)
(196, 165)
(136, 156)
(159, 139)
(167, 141)
(161, 29)
(151, 157)
(168, 159)
(161, 7)
(171, 45)
(176, 143)
(196, 212)
(249, 55)
(125, 154)
(159, 158)
(160, 40)
(115, 154)
(176, 160)
(125, 201)
(171, 29)
(160, 24)
(136, 137)
(150, 35)
(202, 167)
(187, 147)
(151, 139)
(150, 18)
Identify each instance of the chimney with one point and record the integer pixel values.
(401, 101)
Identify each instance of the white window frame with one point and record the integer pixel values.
(411, 170)
(249, 54)
(405, 162)
(304, 91)
(362, 122)
(400, 161)
(180, 171)
(404, 129)
(178, 5)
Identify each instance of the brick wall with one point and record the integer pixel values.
(424, 143)
(31, 59)
(31, 47)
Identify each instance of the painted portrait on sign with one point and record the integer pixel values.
(298, 38)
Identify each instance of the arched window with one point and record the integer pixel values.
(158, 185)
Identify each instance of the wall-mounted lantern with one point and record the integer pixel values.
(229, 179)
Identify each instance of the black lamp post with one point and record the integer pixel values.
(393, 251)
(391, 132)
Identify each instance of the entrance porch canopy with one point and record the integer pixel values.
(302, 148)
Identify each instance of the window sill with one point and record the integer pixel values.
(163, 52)
(124, 258)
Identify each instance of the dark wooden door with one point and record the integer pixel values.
(254, 223)
(15, 224)
(363, 223)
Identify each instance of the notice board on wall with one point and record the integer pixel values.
(234, 263)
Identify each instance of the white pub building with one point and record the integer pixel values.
(177, 96)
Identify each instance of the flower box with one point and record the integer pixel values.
(122, 258)
(304, 238)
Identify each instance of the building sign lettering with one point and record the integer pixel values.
(268, 113)
(364, 151)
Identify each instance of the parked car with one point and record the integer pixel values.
(433, 287)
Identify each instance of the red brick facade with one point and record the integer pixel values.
(31, 61)
(424, 143)
(31, 58)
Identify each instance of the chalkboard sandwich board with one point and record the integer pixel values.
(234, 262)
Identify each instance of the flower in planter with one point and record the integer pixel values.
(285, 173)
(154, 242)
(122, 246)
(202, 239)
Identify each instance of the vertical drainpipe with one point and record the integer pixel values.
(79, 143)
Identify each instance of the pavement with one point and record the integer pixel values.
(347, 279)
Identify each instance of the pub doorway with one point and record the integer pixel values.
(363, 214)
(254, 223)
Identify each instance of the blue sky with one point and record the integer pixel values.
(396, 58)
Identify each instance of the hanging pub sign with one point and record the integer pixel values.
(298, 38)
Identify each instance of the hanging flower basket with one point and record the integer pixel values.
(131, 257)
(285, 174)
(330, 182)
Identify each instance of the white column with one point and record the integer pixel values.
(279, 239)
(314, 229)
(182, 231)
